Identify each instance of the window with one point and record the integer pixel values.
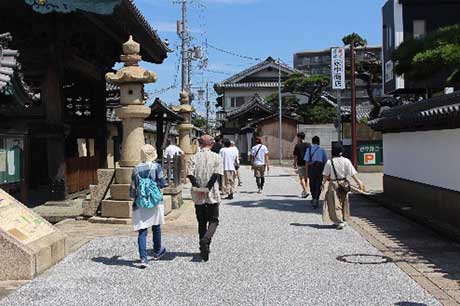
(236, 101)
(306, 61)
(419, 28)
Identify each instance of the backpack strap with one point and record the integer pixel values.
(313, 154)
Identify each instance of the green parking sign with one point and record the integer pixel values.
(370, 153)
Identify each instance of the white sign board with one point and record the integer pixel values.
(338, 68)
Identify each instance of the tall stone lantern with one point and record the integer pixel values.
(185, 128)
(131, 79)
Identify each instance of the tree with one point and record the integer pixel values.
(198, 121)
(316, 111)
(436, 53)
(368, 69)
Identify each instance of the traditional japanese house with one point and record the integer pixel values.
(55, 104)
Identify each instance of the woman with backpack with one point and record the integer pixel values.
(336, 172)
(148, 210)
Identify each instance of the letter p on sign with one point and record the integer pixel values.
(369, 159)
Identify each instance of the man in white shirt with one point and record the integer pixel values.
(237, 165)
(172, 149)
(229, 156)
(259, 161)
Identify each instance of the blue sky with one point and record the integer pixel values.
(256, 28)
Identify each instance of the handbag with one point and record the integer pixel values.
(344, 186)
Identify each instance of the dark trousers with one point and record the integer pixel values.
(315, 186)
(207, 216)
(260, 182)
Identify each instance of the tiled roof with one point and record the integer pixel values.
(141, 20)
(251, 85)
(362, 112)
(436, 113)
(268, 62)
(255, 102)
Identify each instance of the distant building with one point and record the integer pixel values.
(408, 19)
(260, 79)
(319, 62)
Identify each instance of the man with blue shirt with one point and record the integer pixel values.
(315, 158)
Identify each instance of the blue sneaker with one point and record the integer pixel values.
(157, 256)
(144, 263)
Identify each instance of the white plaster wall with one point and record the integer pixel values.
(326, 133)
(430, 157)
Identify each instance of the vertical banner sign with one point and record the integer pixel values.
(338, 68)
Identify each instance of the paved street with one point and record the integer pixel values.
(270, 249)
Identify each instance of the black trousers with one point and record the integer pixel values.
(207, 216)
(315, 186)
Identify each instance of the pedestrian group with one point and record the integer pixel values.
(213, 171)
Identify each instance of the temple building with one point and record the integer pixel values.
(53, 111)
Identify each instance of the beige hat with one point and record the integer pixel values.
(148, 153)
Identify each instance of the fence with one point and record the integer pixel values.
(172, 168)
(81, 172)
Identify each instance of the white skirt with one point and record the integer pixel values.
(147, 217)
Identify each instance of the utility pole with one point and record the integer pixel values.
(280, 102)
(354, 142)
(184, 38)
(207, 106)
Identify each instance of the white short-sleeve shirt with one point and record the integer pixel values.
(259, 160)
(172, 150)
(229, 157)
(343, 166)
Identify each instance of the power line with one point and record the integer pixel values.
(232, 53)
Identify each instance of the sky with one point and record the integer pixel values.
(256, 29)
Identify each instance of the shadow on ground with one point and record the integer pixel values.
(317, 226)
(116, 261)
(412, 243)
(169, 256)
(299, 205)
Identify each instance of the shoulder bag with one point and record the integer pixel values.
(344, 186)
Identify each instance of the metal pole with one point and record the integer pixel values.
(207, 106)
(280, 101)
(353, 107)
(184, 45)
(339, 115)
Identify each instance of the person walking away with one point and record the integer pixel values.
(260, 163)
(204, 168)
(217, 146)
(299, 162)
(148, 210)
(315, 158)
(237, 164)
(172, 149)
(170, 152)
(336, 172)
(229, 157)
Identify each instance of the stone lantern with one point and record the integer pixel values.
(185, 128)
(131, 79)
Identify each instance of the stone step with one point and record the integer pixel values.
(123, 175)
(116, 209)
(120, 192)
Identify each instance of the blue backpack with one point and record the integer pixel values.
(148, 193)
